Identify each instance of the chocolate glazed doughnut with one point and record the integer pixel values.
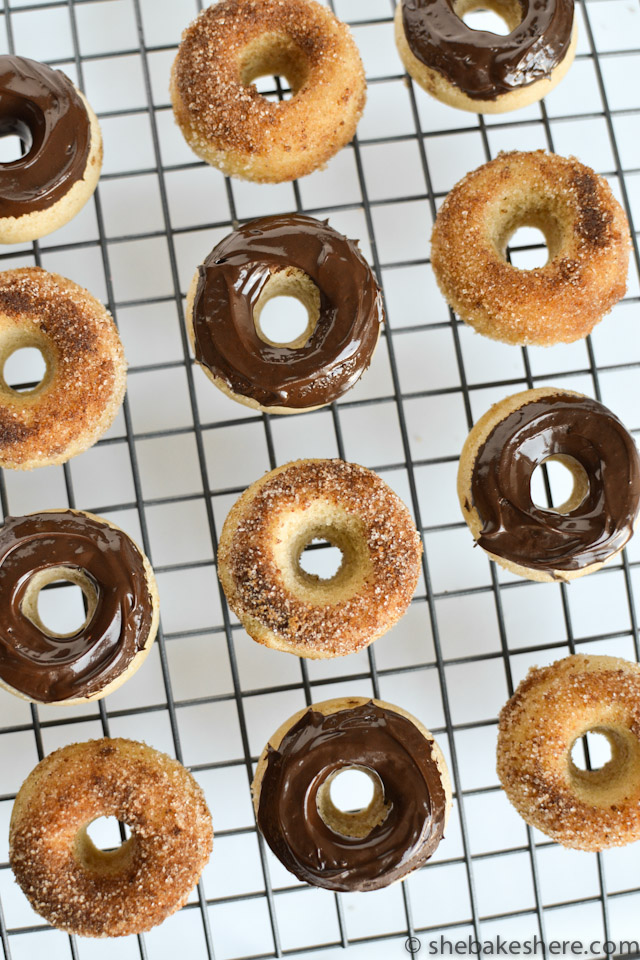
(494, 484)
(121, 600)
(371, 848)
(295, 256)
(481, 71)
(59, 170)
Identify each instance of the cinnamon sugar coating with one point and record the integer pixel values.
(552, 707)
(85, 379)
(229, 124)
(94, 893)
(266, 532)
(586, 232)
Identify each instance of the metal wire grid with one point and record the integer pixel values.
(312, 688)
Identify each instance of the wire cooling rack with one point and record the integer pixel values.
(180, 453)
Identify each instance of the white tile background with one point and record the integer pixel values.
(175, 460)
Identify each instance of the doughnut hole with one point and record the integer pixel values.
(295, 529)
(494, 16)
(340, 787)
(16, 140)
(287, 326)
(103, 862)
(62, 610)
(274, 55)
(26, 364)
(611, 782)
(321, 559)
(58, 574)
(567, 477)
(591, 752)
(522, 208)
(531, 243)
(11, 149)
(106, 832)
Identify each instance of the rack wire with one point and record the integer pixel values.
(214, 924)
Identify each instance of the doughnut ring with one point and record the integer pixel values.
(494, 484)
(60, 135)
(233, 127)
(266, 532)
(108, 893)
(121, 600)
(85, 379)
(481, 71)
(357, 850)
(587, 235)
(277, 256)
(550, 710)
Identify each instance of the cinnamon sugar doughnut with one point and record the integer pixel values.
(85, 379)
(550, 710)
(266, 531)
(497, 463)
(352, 850)
(108, 893)
(587, 235)
(233, 127)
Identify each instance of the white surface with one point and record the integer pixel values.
(138, 270)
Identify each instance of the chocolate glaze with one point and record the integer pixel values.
(518, 531)
(231, 281)
(317, 746)
(485, 65)
(49, 669)
(44, 109)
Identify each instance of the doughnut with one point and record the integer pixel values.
(230, 125)
(121, 600)
(60, 136)
(358, 850)
(85, 379)
(494, 484)
(550, 710)
(76, 886)
(586, 232)
(481, 71)
(292, 256)
(284, 607)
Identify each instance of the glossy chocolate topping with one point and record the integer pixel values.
(43, 108)
(311, 751)
(231, 280)
(514, 528)
(485, 65)
(48, 668)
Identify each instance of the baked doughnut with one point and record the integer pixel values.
(266, 531)
(357, 850)
(494, 484)
(481, 71)
(76, 886)
(60, 136)
(550, 710)
(121, 600)
(85, 379)
(233, 127)
(294, 256)
(587, 235)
